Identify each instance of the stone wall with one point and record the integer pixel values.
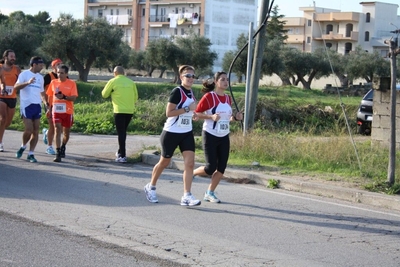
(380, 134)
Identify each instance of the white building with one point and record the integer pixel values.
(343, 31)
(222, 21)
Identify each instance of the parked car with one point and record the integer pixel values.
(365, 111)
(364, 114)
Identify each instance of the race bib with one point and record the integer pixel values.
(223, 126)
(185, 121)
(9, 89)
(60, 108)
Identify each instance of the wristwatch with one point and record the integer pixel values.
(187, 109)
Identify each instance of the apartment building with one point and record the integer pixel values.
(222, 21)
(343, 31)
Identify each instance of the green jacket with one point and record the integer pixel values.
(123, 94)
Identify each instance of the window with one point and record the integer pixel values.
(143, 12)
(366, 36)
(349, 29)
(328, 45)
(117, 11)
(129, 11)
(142, 32)
(309, 22)
(347, 48)
(183, 10)
(329, 28)
(368, 17)
(100, 13)
(308, 39)
(111, 11)
(176, 10)
(182, 31)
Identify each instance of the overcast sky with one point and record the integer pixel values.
(289, 8)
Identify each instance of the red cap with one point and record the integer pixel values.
(55, 62)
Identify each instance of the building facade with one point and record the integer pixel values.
(222, 21)
(343, 31)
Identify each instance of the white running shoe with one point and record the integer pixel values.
(211, 197)
(45, 141)
(189, 200)
(121, 160)
(150, 193)
(1, 147)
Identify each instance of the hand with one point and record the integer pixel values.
(59, 95)
(195, 116)
(48, 113)
(193, 106)
(215, 117)
(239, 116)
(32, 80)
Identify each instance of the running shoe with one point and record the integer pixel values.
(150, 193)
(57, 158)
(210, 197)
(121, 160)
(50, 151)
(189, 200)
(62, 151)
(31, 158)
(1, 148)
(19, 152)
(45, 141)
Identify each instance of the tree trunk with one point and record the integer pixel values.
(161, 73)
(306, 84)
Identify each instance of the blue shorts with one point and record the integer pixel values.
(32, 112)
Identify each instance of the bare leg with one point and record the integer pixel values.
(6, 116)
(200, 171)
(34, 135)
(158, 169)
(188, 158)
(66, 132)
(58, 130)
(215, 179)
(50, 131)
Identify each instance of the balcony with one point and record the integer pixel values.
(337, 16)
(339, 37)
(295, 39)
(294, 22)
(119, 19)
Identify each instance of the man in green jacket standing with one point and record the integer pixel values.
(124, 95)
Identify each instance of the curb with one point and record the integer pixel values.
(150, 157)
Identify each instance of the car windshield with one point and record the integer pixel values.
(369, 96)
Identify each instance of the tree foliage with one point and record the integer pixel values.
(83, 42)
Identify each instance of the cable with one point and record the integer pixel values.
(341, 102)
(264, 23)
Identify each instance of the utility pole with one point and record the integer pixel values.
(394, 50)
(257, 62)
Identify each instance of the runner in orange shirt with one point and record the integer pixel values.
(8, 96)
(63, 92)
(48, 134)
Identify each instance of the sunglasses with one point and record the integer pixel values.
(188, 75)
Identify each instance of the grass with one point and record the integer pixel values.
(297, 132)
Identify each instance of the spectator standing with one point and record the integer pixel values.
(124, 95)
(30, 84)
(178, 132)
(8, 97)
(215, 108)
(64, 92)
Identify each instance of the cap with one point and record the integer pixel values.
(55, 62)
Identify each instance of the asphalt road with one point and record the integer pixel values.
(92, 197)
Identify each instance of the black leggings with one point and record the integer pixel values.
(121, 124)
(216, 152)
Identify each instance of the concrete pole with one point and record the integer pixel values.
(257, 62)
(248, 75)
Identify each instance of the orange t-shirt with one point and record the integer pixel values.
(10, 78)
(46, 88)
(68, 88)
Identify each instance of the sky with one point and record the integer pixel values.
(289, 8)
